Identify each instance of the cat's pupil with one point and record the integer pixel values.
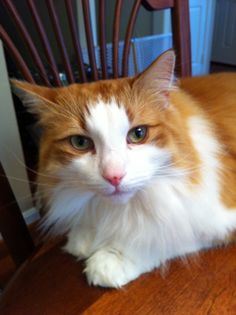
(136, 135)
(81, 141)
(139, 132)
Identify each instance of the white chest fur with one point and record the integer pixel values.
(166, 220)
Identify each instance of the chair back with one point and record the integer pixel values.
(74, 63)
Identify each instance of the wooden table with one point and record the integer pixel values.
(53, 283)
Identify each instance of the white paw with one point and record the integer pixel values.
(109, 268)
(79, 245)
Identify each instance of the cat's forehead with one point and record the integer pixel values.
(104, 108)
(107, 120)
(104, 89)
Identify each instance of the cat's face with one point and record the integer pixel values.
(109, 138)
(114, 154)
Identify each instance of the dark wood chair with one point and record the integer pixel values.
(180, 30)
(51, 282)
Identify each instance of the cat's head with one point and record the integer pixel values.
(109, 138)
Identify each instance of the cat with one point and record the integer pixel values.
(139, 170)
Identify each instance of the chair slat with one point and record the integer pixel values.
(60, 40)
(45, 42)
(115, 41)
(181, 37)
(102, 38)
(89, 37)
(76, 43)
(22, 29)
(16, 55)
(180, 31)
(128, 35)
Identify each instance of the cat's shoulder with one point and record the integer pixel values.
(219, 81)
(215, 93)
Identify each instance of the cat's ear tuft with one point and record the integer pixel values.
(35, 97)
(159, 76)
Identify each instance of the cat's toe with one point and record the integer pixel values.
(109, 268)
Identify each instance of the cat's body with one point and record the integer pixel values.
(129, 207)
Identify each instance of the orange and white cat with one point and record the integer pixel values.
(137, 170)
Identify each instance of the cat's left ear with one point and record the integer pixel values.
(159, 76)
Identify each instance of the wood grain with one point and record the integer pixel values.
(53, 283)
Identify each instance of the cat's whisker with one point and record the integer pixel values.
(28, 168)
(25, 181)
(23, 198)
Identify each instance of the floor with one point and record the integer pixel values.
(7, 267)
(52, 282)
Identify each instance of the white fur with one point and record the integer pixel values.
(157, 217)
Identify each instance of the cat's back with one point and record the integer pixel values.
(216, 95)
(215, 91)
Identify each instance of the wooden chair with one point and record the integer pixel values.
(181, 39)
(51, 282)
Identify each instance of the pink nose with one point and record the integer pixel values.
(113, 179)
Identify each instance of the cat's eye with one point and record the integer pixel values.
(137, 134)
(81, 143)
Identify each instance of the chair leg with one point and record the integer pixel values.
(12, 225)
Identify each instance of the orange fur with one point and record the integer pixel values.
(216, 95)
(212, 97)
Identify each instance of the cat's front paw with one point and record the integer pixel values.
(109, 268)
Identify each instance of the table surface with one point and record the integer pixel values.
(52, 282)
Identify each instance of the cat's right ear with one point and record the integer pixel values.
(37, 99)
(158, 78)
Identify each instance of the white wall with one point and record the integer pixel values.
(11, 155)
(224, 41)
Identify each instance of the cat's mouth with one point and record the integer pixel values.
(117, 192)
(119, 195)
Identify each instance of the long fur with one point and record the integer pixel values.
(178, 193)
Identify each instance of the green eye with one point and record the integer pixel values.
(137, 134)
(81, 143)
